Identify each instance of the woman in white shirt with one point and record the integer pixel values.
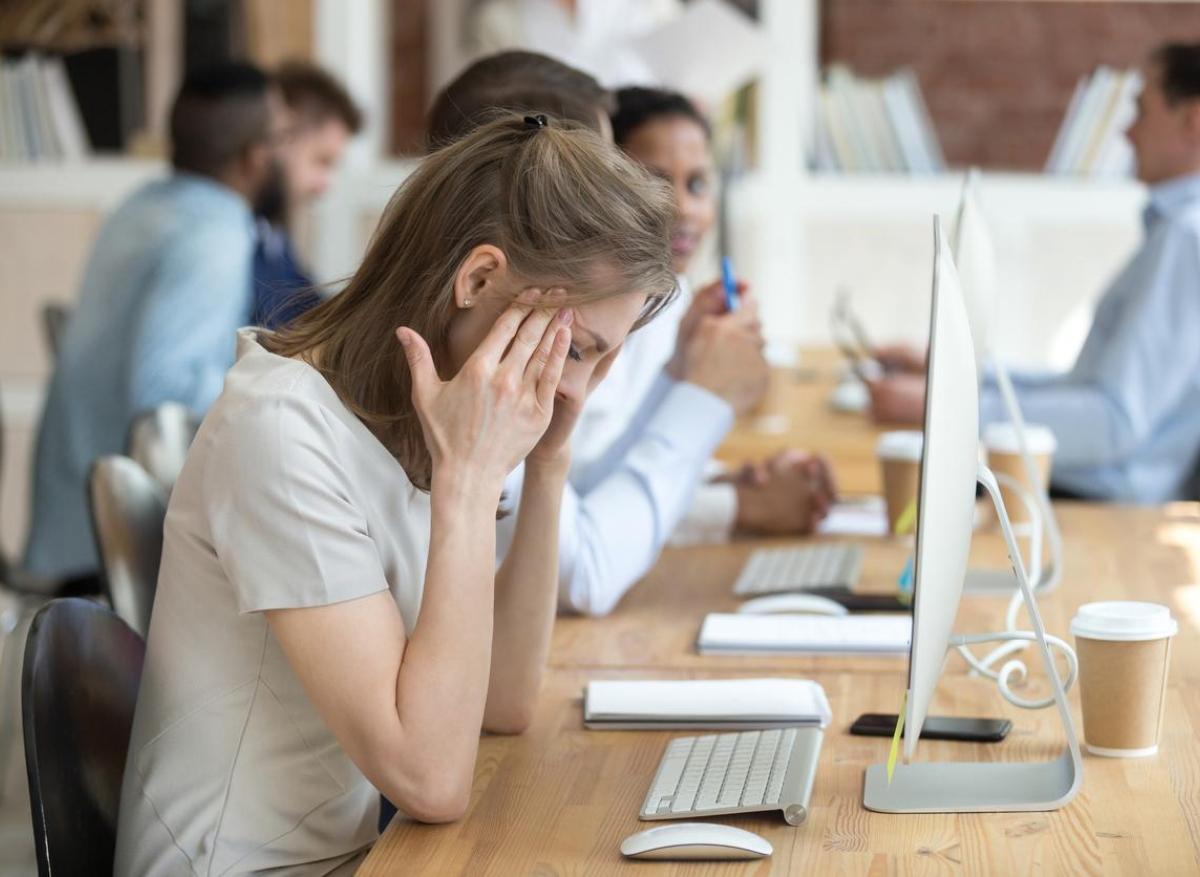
(329, 620)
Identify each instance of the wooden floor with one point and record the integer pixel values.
(559, 799)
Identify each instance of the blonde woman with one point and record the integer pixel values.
(329, 619)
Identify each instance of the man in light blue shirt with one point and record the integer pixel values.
(164, 291)
(1127, 415)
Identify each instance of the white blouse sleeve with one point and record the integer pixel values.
(282, 511)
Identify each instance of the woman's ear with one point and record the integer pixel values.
(481, 275)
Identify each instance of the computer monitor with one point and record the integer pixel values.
(946, 488)
(946, 497)
(975, 259)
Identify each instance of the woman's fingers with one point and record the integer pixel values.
(541, 356)
(525, 343)
(547, 382)
(502, 333)
(420, 363)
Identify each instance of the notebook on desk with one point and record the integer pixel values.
(730, 634)
(695, 704)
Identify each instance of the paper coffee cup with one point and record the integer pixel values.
(899, 456)
(1004, 457)
(1123, 648)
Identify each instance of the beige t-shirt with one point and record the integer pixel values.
(286, 500)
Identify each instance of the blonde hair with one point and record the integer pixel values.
(564, 206)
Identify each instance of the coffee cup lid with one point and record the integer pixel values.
(1002, 438)
(904, 444)
(1123, 620)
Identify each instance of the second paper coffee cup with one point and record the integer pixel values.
(899, 456)
(1004, 457)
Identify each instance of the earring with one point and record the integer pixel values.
(466, 303)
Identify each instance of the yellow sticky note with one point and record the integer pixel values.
(908, 517)
(896, 738)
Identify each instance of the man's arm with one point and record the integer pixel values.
(1134, 368)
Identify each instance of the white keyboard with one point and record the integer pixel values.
(776, 570)
(747, 772)
(737, 634)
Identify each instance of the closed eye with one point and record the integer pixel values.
(574, 353)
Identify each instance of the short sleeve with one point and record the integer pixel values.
(282, 511)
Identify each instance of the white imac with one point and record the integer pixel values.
(975, 259)
(949, 471)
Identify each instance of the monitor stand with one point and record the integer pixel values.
(987, 787)
(1002, 582)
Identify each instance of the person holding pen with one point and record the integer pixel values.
(333, 528)
(643, 448)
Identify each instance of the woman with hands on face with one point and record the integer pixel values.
(329, 622)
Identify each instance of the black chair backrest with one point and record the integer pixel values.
(79, 687)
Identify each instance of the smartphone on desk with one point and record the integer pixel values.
(936, 728)
(860, 601)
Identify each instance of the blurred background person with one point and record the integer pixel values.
(165, 290)
(1127, 414)
(323, 117)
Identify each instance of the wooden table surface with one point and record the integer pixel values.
(559, 799)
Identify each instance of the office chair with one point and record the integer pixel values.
(128, 510)
(79, 686)
(12, 576)
(54, 324)
(1192, 488)
(159, 441)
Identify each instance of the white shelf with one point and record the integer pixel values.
(95, 184)
(1042, 196)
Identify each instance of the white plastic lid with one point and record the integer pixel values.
(1002, 438)
(1123, 621)
(904, 444)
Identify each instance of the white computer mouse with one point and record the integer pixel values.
(850, 396)
(803, 604)
(695, 840)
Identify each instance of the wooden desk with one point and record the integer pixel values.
(796, 413)
(559, 799)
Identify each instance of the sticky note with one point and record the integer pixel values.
(907, 518)
(896, 738)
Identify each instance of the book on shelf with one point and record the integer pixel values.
(874, 125)
(1091, 140)
(38, 112)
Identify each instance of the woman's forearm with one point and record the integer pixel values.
(525, 601)
(443, 680)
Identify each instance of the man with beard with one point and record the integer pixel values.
(323, 119)
(164, 291)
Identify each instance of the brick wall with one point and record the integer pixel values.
(998, 74)
(409, 75)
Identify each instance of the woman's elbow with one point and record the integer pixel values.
(511, 721)
(436, 800)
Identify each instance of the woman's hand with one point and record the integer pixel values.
(488, 417)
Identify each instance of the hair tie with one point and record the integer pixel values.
(536, 121)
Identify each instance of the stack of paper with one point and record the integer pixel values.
(875, 125)
(732, 634)
(1091, 141)
(721, 704)
(39, 118)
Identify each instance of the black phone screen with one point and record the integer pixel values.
(936, 728)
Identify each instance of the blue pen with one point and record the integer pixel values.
(731, 299)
